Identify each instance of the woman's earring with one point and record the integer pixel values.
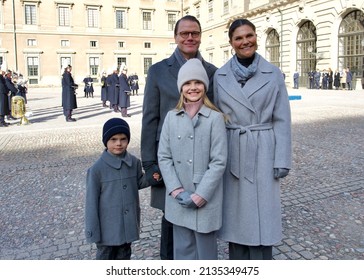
(232, 52)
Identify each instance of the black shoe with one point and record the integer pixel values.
(70, 120)
(4, 124)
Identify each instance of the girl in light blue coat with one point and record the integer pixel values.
(192, 157)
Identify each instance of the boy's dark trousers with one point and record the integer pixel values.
(122, 252)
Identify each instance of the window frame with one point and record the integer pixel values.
(147, 25)
(92, 16)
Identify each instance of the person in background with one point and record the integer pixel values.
(69, 101)
(337, 79)
(103, 89)
(161, 94)
(330, 78)
(252, 94)
(124, 92)
(311, 79)
(113, 89)
(112, 207)
(343, 79)
(22, 87)
(296, 78)
(134, 83)
(89, 88)
(4, 106)
(349, 79)
(12, 91)
(325, 79)
(195, 130)
(316, 77)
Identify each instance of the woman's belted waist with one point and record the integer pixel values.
(251, 149)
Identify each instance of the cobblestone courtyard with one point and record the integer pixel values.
(43, 167)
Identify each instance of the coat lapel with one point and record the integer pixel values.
(224, 78)
(242, 95)
(260, 79)
(173, 66)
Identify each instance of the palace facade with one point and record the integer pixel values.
(39, 36)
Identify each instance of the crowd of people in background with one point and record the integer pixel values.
(328, 79)
(117, 88)
(11, 84)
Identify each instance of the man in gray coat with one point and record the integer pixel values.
(161, 95)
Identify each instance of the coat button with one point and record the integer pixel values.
(124, 187)
(190, 161)
(179, 136)
(191, 136)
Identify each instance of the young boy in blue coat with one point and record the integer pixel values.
(112, 210)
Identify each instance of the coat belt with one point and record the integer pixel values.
(251, 149)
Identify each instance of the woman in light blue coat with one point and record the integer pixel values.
(252, 93)
(192, 157)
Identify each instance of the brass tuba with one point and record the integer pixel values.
(18, 109)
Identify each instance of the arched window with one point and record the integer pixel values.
(272, 48)
(351, 43)
(306, 51)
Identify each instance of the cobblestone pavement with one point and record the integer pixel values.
(43, 167)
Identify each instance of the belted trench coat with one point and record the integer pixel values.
(259, 137)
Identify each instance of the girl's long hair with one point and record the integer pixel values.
(206, 102)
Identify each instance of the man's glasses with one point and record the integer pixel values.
(186, 34)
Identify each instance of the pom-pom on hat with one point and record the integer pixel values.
(115, 126)
(192, 70)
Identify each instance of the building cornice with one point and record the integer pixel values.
(262, 9)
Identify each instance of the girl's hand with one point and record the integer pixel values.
(176, 192)
(198, 200)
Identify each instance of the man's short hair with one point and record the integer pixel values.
(188, 17)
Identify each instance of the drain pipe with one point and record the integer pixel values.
(14, 35)
(281, 40)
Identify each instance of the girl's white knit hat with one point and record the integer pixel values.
(192, 70)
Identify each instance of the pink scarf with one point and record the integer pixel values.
(193, 107)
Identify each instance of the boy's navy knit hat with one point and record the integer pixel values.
(192, 70)
(115, 126)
